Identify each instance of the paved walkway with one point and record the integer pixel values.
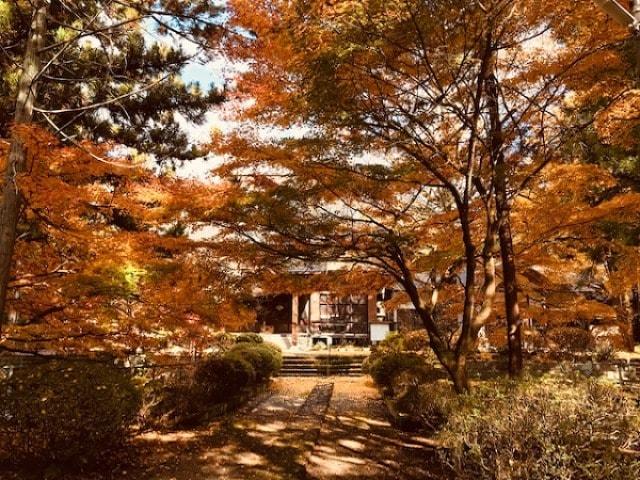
(306, 429)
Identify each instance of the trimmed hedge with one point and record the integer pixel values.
(395, 342)
(387, 369)
(265, 358)
(66, 411)
(217, 384)
(221, 378)
(249, 338)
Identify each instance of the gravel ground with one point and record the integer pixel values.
(310, 428)
(358, 442)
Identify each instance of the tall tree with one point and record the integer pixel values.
(95, 70)
(606, 99)
(466, 93)
(105, 260)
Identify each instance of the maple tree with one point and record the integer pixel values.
(399, 141)
(401, 135)
(100, 71)
(604, 94)
(104, 260)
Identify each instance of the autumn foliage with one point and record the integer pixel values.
(103, 258)
(469, 155)
(429, 141)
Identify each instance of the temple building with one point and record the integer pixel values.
(323, 317)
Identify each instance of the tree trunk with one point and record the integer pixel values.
(454, 362)
(512, 310)
(503, 209)
(16, 161)
(635, 319)
(459, 375)
(629, 303)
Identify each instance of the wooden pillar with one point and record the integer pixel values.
(295, 319)
(314, 307)
(372, 308)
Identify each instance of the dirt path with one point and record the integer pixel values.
(306, 429)
(357, 442)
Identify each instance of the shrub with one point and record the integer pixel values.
(571, 339)
(167, 404)
(63, 411)
(386, 369)
(217, 378)
(218, 383)
(393, 343)
(416, 341)
(167, 396)
(249, 338)
(276, 350)
(604, 351)
(542, 431)
(436, 403)
(223, 341)
(251, 356)
(274, 355)
(266, 359)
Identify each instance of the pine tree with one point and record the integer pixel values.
(91, 70)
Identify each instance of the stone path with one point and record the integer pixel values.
(307, 429)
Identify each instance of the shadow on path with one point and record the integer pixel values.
(313, 432)
(358, 442)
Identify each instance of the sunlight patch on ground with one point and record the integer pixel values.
(352, 445)
(250, 459)
(373, 422)
(352, 422)
(293, 386)
(271, 427)
(335, 465)
(171, 437)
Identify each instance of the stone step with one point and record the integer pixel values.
(302, 365)
(336, 371)
(319, 374)
(325, 359)
(306, 362)
(321, 367)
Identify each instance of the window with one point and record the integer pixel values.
(347, 314)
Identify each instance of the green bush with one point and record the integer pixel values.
(416, 341)
(217, 384)
(396, 342)
(167, 405)
(266, 359)
(66, 411)
(436, 402)
(393, 343)
(542, 431)
(604, 351)
(276, 350)
(387, 369)
(223, 341)
(252, 356)
(218, 379)
(249, 338)
(571, 339)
